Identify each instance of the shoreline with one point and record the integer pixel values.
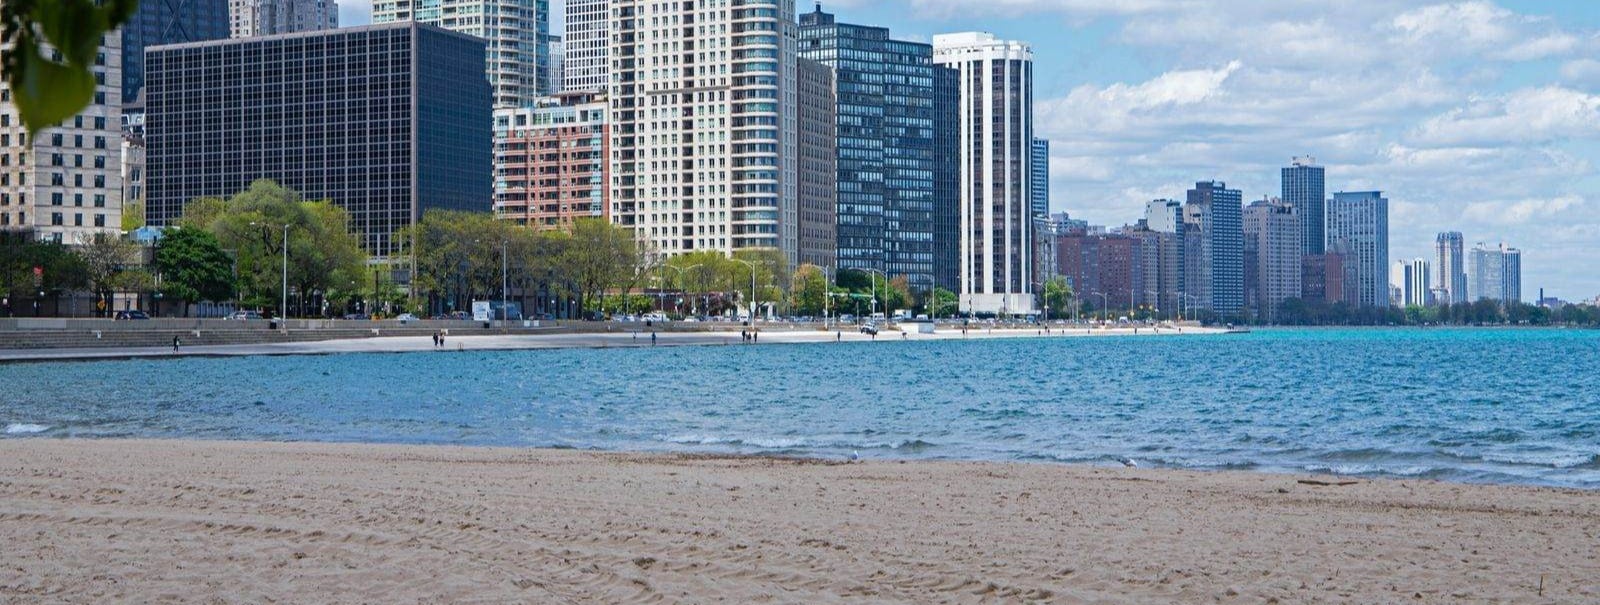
(582, 340)
(136, 520)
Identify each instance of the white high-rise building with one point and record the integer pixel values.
(1165, 216)
(518, 33)
(1452, 268)
(1410, 283)
(66, 184)
(587, 59)
(1358, 224)
(996, 133)
(1494, 273)
(248, 18)
(704, 136)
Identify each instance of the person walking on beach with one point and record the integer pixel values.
(652, 339)
(435, 339)
(176, 344)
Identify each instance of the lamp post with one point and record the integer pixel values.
(1105, 301)
(874, 273)
(752, 267)
(283, 305)
(1158, 302)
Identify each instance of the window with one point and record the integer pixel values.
(77, 220)
(56, 219)
(99, 220)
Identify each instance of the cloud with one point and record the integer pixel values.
(1524, 211)
(1581, 72)
(1533, 115)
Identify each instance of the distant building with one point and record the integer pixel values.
(1165, 216)
(1494, 273)
(996, 125)
(819, 165)
(585, 62)
(272, 17)
(166, 22)
(1452, 268)
(1410, 283)
(133, 163)
(1273, 252)
(887, 198)
(1359, 222)
(1161, 253)
(556, 71)
(1039, 181)
(1323, 278)
(517, 33)
(318, 131)
(946, 178)
(65, 184)
(1304, 189)
(1218, 269)
(550, 161)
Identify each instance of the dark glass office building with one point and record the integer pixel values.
(1304, 187)
(1039, 178)
(167, 22)
(887, 160)
(947, 178)
(1219, 213)
(386, 121)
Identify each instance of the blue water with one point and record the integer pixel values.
(1504, 406)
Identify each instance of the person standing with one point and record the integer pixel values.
(176, 344)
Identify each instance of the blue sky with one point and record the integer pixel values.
(1480, 116)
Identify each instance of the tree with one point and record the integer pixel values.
(1057, 294)
(193, 266)
(944, 301)
(106, 256)
(323, 253)
(810, 291)
(600, 256)
(47, 90)
(133, 216)
(34, 269)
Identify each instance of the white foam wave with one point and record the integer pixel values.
(19, 428)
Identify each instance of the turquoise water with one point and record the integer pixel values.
(1506, 406)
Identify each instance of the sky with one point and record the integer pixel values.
(1479, 116)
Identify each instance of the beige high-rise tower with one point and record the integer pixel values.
(518, 33)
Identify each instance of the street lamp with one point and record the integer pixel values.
(1105, 301)
(874, 273)
(752, 267)
(1158, 302)
(283, 305)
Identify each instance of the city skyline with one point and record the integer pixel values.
(1422, 101)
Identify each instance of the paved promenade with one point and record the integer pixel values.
(641, 338)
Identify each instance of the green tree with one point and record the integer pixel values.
(133, 216)
(33, 269)
(810, 290)
(945, 303)
(323, 253)
(193, 266)
(46, 89)
(600, 256)
(105, 256)
(1058, 294)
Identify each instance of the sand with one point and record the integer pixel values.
(190, 521)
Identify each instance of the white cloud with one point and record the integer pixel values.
(1535, 115)
(1583, 72)
(1523, 211)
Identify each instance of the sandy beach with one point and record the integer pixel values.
(191, 521)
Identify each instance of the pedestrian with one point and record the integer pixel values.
(838, 336)
(755, 335)
(176, 344)
(652, 339)
(435, 336)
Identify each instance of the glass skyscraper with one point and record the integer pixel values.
(1216, 275)
(1358, 225)
(167, 22)
(386, 121)
(1304, 188)
(887, 163)
(1039, 176)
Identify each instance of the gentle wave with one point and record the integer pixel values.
(797, 443)
(19, 428)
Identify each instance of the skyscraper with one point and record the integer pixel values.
(1452, 279)
(1039, 177)
(271, 17)
(65, 184)
(1304, 188)
(1218, 271)
(1165, 216)
(886, 161)
(1410, 282)
(819, 162)
(1494, 273)
(584, 45)
(331, 130)
(517, 32)
(167, 22)
(1358, 225)
(1272, 235)
(946, 178)
(996, 129)
(550, 161)
(704, 143)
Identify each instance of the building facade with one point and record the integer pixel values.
(1494, 273)
(272, 17)
(1452, 267)
(996, 131)
(166, 22)
(517, 33)
(946, 178)
(1039, 177)
(65, 185)
(1305, 189)
(1322, 278)
(585, 56)
(704, 143)
(550, 165)
(1217, 271)
(886, 161)
(819, 165)
(1273, 251)
(1411, 283)
(386, 121)
(1165, 216)
(1359, 223)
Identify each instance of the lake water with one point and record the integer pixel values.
(1505, 406)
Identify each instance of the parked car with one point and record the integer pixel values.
(244, 315)
(406, 317)
(357, 316)
(131, 314)
(871, 329)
